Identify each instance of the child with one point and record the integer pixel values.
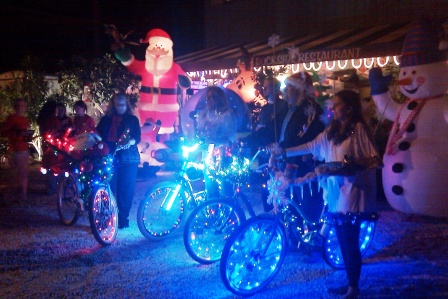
(82, 122)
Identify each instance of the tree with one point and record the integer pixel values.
(105, 76)
(32, 87)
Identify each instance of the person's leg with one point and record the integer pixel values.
(21, 163)
(125, 192)
(348, 237)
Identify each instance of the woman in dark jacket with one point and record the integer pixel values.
(120, 130)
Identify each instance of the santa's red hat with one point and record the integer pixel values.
(154, 32)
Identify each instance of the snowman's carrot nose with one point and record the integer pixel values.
(405, 81)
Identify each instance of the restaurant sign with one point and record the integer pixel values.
(326, 55)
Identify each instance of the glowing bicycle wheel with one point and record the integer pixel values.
(208, 227)
(332, 251)
(103, 215)
(161, 211)
(253, 255)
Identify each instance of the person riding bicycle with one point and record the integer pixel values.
(217, 126)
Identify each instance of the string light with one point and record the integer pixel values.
(356, 66)
(90, 169)
(368, 65)
(295, 68)
(342, 67)
(316, 66)
(382, 64)
(328, 66)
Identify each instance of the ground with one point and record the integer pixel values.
(41, 258)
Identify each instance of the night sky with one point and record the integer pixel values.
(55, 30)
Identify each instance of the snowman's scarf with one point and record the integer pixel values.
(397, 131)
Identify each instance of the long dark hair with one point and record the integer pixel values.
(48, 110)
(119, 96)
(353, 107)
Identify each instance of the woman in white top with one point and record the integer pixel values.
(350, 196)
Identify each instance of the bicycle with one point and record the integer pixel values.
(162, 209)
(255, 252)
(83, 185)
(209, 225)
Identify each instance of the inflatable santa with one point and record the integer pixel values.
(161, 78)
(415, 173)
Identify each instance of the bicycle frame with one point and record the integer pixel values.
(183, 179)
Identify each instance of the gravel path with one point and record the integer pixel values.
(40, 258)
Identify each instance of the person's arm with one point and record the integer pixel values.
(316, 147)
(297, 150)
(100, 128)
(135, 130)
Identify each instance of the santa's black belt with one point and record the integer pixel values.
(158, 90)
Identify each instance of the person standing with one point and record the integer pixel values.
(16, 128)
(271, 92)
(120, 130)
(299, 123)
(82, 122)
(50, 127)
(350, 196)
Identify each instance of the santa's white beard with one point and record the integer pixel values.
(158, 66)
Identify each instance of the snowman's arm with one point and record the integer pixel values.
(379, 90)
(387, 108)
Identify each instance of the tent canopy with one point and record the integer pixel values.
(377, 41)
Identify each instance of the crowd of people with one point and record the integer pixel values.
(290, 126)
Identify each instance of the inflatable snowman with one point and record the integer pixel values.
(415, 173)
(160, 80)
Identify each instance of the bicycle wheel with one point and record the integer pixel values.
(253, 255)
(208, 227)
(159, 213)
(332, 251)
(103, 215)
(69, 206)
